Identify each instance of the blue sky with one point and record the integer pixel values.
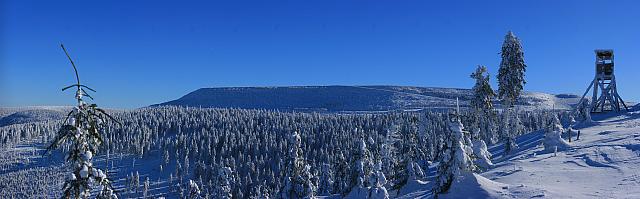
(139, 53)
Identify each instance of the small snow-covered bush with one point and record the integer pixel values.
(552, 136)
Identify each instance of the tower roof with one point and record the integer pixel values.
(604, 52)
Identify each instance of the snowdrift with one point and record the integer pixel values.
(413, 186)
(471, 185)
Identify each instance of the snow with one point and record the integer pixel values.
(378, 193)
(603, 163)
(84, 172)
(471, 185)
(414, 186)
(358, 192)
(481, 152)
(87, 155)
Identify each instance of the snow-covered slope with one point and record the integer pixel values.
(9, 116)
(603, 163)
(351, 98)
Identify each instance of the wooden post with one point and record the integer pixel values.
(570, 132)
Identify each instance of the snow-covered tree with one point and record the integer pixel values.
(482, 104)
(223, 188)
(82, 130)
(481, 153)
(194, 189)
(136, 182)
(378, 181)
(512, 68)
(298, 175)
(464, 150)
(583, 111)
(483, 95)
(145, 190)
(509, 129)
(342, 177)
(552, 137)
(389, 153)
(511, 83)
(408, 152)
(456, 157)
(326, 180)
(361, 169)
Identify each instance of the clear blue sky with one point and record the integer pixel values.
(139, 53)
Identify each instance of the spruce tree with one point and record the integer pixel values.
(509, 129)
(326, 180)
(298, 175)
(378, 181)
(341, 182)
(223, 188)
(82, 131)
(455, 157)
(145, 191)
(361, 161)
(512, 68)
(483, 95)
(511, 82)
(482, 104)
(194, 190)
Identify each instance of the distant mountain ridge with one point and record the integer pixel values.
(21, 115)
(351, 98)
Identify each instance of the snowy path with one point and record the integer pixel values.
(604, 163)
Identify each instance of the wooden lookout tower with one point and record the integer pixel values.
(605, 93)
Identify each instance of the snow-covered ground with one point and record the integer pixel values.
(603, 163)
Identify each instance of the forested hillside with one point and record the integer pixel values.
(171, 146)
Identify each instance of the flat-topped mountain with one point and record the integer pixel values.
(351, 98)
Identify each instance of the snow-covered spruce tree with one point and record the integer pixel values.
(389, 152)
(482, 103)
(552, 137)
(361, 169)
(82, 131)
(455, 157)
(342, 171)
(483, 95)
(326, 180)
(583, 112)
(378, 181)
(481, 152)
(511, 73)
(509, 129)
(464, 152)
(406, 169)
(194, 189)
(223, 188)
(145, 190)
(511, 79)
(298, 175)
